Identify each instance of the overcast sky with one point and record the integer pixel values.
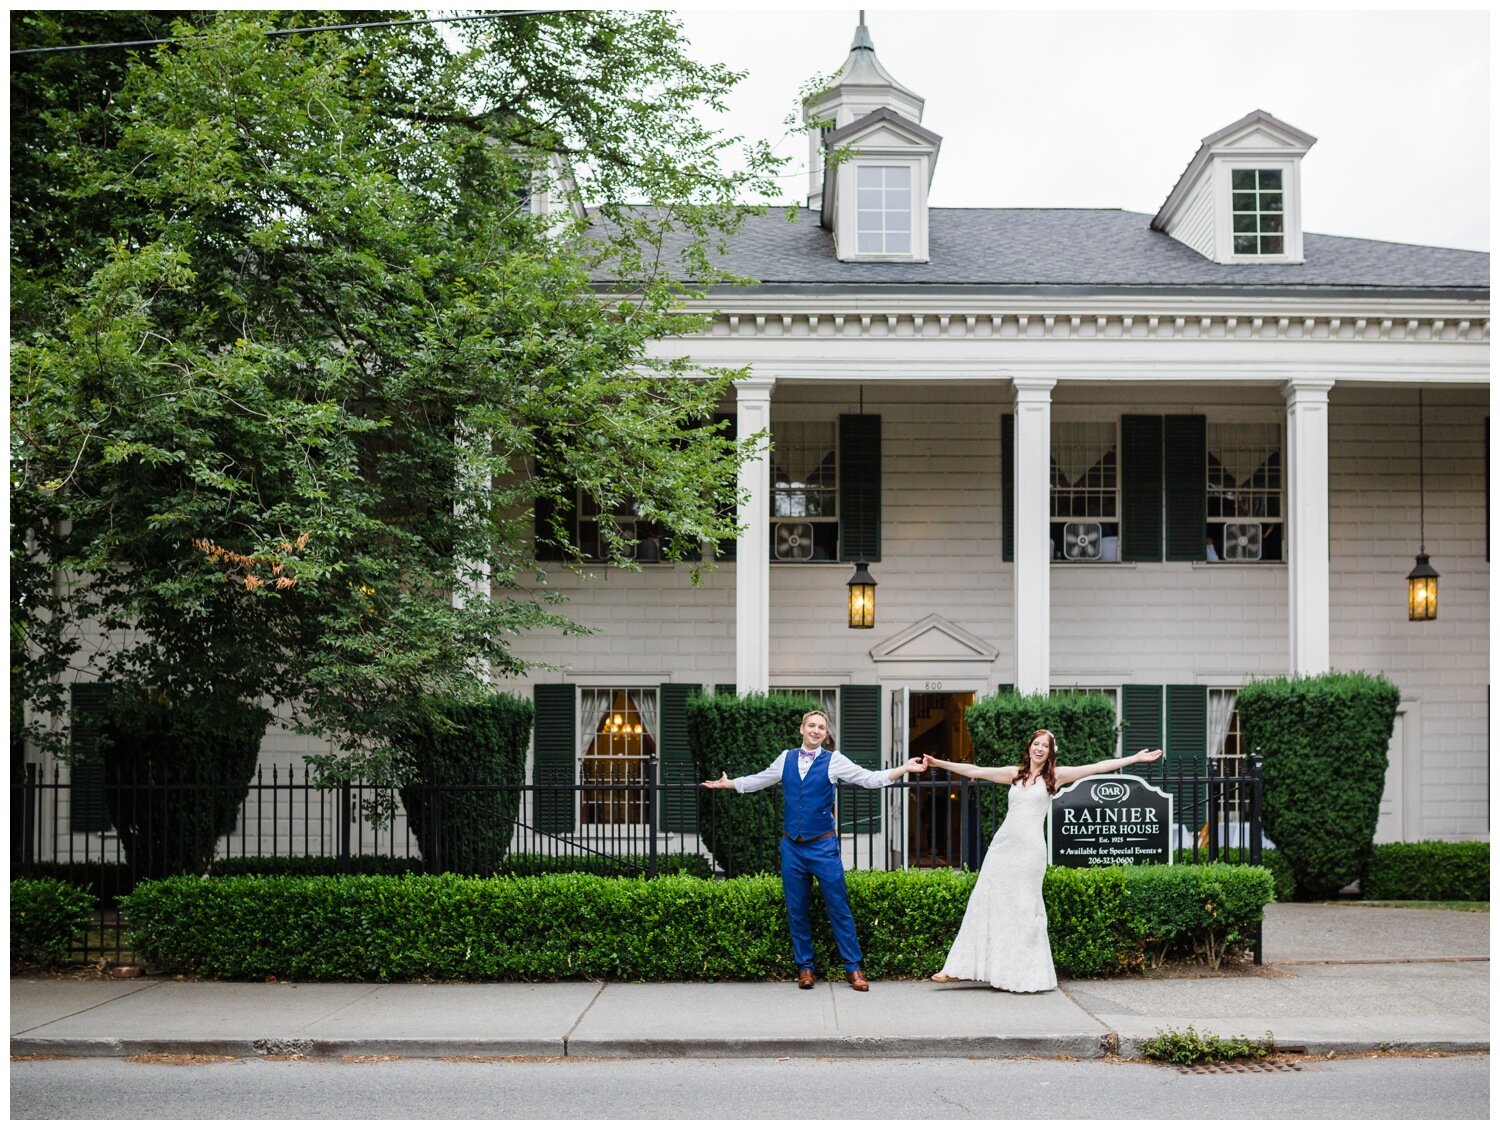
(1104, 109)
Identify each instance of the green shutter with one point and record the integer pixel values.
(859, 741)
(1140, 713)
(679, 802)
(724, 688)
(859, 488)
(1184, 482)
(1186, 745)
(1140, 488)
(554, 755)
(87, 811)
(1008, 487)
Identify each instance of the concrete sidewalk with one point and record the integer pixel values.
(1343, 979)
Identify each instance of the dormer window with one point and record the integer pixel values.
(1259, 211)
(884, 220)
(1238, 201)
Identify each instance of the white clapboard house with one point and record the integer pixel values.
(1156, 456)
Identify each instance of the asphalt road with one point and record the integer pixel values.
(1370, 1088)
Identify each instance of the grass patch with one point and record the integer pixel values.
(1186, 1049)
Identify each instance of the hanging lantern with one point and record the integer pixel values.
(1421, 582)
(862, 597)
(1421, 591)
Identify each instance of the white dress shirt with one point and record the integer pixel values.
(840, 768)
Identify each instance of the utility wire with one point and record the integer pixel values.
(300, 30)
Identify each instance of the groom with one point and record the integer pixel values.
(810, 841)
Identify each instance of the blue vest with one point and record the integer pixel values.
(808, 807)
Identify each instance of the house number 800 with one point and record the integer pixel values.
(932, 686)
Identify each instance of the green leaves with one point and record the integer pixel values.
(271, 290)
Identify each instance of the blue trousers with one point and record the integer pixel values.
(800, 864)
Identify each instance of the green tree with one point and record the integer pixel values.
(293, 359)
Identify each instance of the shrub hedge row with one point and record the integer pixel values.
(444, 927)
(45, 916)
(1429, 869)
(514, 864)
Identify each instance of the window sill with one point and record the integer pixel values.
(1238, 564)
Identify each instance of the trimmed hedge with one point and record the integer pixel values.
(1324, 740)
(514, 864)
(740, 736)
(45, 916)
(455, 746)
(176, 773)
(1429, 869)
(446, 927)
(1002, 724)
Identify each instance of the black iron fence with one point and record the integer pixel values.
(289, 823)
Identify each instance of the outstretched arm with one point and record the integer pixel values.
(1067, 774)
(999, 774)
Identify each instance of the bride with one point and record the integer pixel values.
(1003, 939)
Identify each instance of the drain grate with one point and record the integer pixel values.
(1237, 1068)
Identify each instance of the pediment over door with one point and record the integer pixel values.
(934, 640)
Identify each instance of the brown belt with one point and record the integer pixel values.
(812, 839)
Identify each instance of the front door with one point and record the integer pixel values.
(936, 828)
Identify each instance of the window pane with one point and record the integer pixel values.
(1244, 222)
(1244, 245)
(1244, 201)
(1242, 178)
(872, 244)
(1271, 223)
(1270, 245)
(870, 199)
(1270, 202)
(1270, 178)
(870, 176)
(898, 243)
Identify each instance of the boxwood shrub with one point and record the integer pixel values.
(740, 736)
(1324, 740)
(456, 750)
(1429, 869)
(45, 916)
(1002, 723)
(678, 928)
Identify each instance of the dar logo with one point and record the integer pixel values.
(1106, 792)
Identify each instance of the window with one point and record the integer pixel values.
(804, 491)
(1245, 516)
(884, 213)
(618, 733)
(643, 539)
(1258, 212)
(1225, 750)
(1085, 519)
(827, 699)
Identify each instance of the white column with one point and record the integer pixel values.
(1307, 522)
(752, 569)
(1033, 502)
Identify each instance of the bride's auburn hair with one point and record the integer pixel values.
(1049, 768)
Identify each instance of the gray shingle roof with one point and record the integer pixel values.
(1092, 249)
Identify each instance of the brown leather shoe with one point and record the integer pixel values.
(857, 982)
(805, 979)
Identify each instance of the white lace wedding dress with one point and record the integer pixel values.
(1003, 939)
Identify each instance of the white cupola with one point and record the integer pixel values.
(874, 199)
(1240, 198)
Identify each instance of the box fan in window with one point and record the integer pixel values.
(624, 527)
(1082, 541)
(794, 541)
(1242, 541)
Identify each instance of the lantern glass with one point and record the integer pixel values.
(862, 597)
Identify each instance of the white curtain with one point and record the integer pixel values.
(593, 707)
(645, 706)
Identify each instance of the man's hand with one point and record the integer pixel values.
(722, 783)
